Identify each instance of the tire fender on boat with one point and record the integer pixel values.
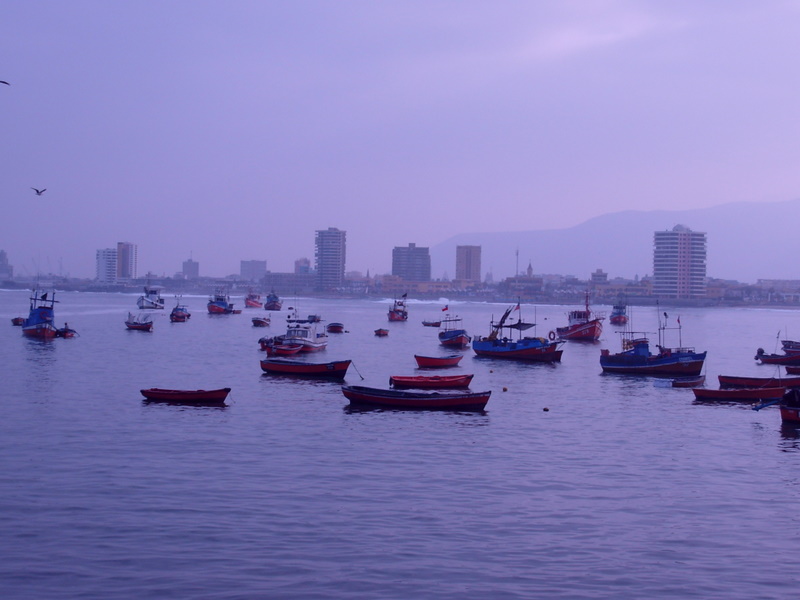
(551, 336)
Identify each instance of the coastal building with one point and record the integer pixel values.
(252, 270)
(468, 263)
(191, 269)
(127, 261)
(411, 263)
(679, 263)
(6, 270)
(302, 265)
(106, 265)
(330, 253)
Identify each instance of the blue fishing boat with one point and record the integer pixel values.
(272, 302)
(498, 345)
(452, 335)
(220, 303)
(180, 312)
(39, 323)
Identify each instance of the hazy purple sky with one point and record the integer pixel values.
(233, 130)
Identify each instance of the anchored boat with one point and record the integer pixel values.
(499, 345)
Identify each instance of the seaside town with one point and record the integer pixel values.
(679, 276)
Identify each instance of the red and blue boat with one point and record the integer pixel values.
(452, 335)
(399, 312)
(40, 322)
(220, 303)
(272, 302)
(180, 312)
(498, 345)
(619, 314)
(582, 325)
(253, 300)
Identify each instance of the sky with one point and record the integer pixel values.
(234, 130)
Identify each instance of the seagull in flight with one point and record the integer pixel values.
(5, 82)
(39, 192)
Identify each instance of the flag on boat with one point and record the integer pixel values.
(446, 308)
(517, 306)
(404, 295)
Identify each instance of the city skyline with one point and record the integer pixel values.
(176, 124)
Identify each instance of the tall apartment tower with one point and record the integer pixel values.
(252, 270)
(411, 263)
(126, 260)
(191, 269)
(468, 263)
(330, 253)
(106, 265)
(679, 263)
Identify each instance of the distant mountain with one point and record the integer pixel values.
(746, 241)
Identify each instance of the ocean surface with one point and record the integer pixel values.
(571, 485)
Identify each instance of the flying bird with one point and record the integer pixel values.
(39, 192)
(5, 82)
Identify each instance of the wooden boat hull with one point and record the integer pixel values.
(733, 381)
(525, 349)
(393, 399)
(139, 326)
(187, 396)
(682, 365)
(790, 414)
(583, 332)
(618, 319)
(381, 332)
(437, 362)
(430, 381)
(779, 359)
(260, 322)
(432, 323)
(284, 349)
(330, 370)
(39, 331)
(688, 382)
(335, 328)
(396, 315)
(220, 309)
(739, 394)
(18, 321)
(455, 340)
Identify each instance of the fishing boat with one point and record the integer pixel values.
(220, 303)
(329, 370)
(40, 322)
(200, 397)
(151, 299)
(619, 314)
(140, 322)
(430, 381)
(307, 333)
(582, 325)
(498, 345)
(739, 394)
(335, 328)
(381, 332)
(637, 359)
(17, 321)
(438, 362)
(732, 381)
(452, 334)
(777, 359)
(681, 382)
(253, 300)
(180, 312)
(790, 346)
(432, 323)
(272, 302)
(399, 312)
(261, 321)
(415, 400)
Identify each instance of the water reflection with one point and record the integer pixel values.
(185, 405)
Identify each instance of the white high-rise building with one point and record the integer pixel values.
(679, 263)
(106, 265)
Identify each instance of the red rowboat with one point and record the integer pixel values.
(260, 321)
(432, 323)
(777, 359)
(330, 370)
(681, 382)
(430, 381)
(754, 382)
(140, 322)
(374, 397)
(790, 370)
(381, 332)
(284, 349)
(17, 321)
(437, 362)
(335, 328)
(187, 396)
(739, 394)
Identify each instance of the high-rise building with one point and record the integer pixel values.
(191, 269)
(252, 270)
(106, 265)
(302, 265)
(6, 270)
(679, 263)
(468, 263)
(411, 263)
(126, 260)
(330, 253)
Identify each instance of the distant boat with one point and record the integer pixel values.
(140, 322)
(40, 321)
(739, 394)
(452, 335)
(619, 315)
(777, 359)
(399, 312)
(432, 323)
(681, 382)
(261, 321)
(438, 362)
(637, 359)
(220, 303)
(583, 325)
(253, 300)
(210, 397)
(17, 321)
(307, 333)
(735, 381)
(790, 346)
(415, 400)
(430, 381)
(272, 302)
(335, 328)
(151, 300)
(381, 332)
(499, 345)
(180, 312)
(329, 370)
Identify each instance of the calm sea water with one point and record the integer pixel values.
(620, 490)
